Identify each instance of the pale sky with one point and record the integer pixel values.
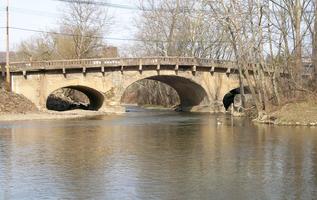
(43, 15)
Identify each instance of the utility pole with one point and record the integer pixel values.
(8, 48)
(315, 45)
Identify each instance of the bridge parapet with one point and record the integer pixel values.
(120, 62)
(201, 64)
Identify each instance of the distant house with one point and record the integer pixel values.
(109, 52)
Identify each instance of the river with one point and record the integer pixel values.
(156, 155)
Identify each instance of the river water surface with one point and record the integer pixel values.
(156, 155)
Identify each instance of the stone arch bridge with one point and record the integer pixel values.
(200, 83)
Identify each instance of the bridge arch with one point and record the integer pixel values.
(190, 93)
(228, 99)
(96, 98)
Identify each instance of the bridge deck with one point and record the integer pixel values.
(145, 63)
(142, 63)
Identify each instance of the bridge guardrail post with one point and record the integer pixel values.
(84, 70)
(121, 65)
(228, 71)
(140, 65)
(64, 72)
(194, 69)
(158, 67)
(177, 66)
(102, 63)
(212, 69)
(24, 74)
(103, 70)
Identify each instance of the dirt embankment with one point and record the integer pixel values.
(11, 103)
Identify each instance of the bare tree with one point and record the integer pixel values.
(36, 48)
(86, 22)
(81, 31)
(179, 28)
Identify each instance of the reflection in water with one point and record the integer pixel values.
(159, 155)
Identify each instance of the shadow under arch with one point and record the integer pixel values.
(96, 98)
(190, 93)
(228, 99)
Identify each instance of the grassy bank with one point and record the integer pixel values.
(302, 113)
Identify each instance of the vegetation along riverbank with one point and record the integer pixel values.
(303, 113)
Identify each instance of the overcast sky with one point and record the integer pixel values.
(43, 15)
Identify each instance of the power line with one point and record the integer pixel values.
(86, 36)
(103, 4)
(37, 13)
(100, 37)
(183, 9)
(112, 5)
(33, 12)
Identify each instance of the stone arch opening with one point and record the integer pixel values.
(150, 93)
(228, 99)
(190, 93)
(82, 97)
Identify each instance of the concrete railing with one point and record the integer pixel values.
(119, 62)
(199, 64)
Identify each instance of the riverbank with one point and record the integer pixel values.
(51, 115)
(293, 114)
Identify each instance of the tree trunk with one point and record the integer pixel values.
(3, 69)
(235, 49)
(314, 57)
(272, 60)
(298, 41)
(171, 45)
(257, 102)
(275, 90)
